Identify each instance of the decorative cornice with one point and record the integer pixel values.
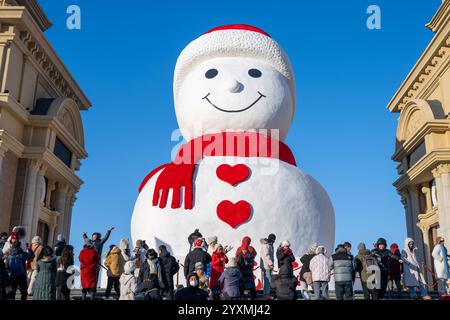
(418, 137)
(34, 42)
(427, 65)
(37, 13)
(427, 163)
(442, 16)
(10, 143)
(47, 65)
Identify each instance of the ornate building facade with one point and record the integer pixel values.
(423, 139)
(41, 132)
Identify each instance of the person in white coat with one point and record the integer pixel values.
(320, 272)
(412, 276)
(267, 262)
(441, 268)
(128, 282)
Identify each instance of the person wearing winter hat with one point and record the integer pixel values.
(305, 271)
(153, 276)
(97, 240)
(211, 242)
(191, 292)
(230, 280)
(171, 267)
(15, 259)
(20, 232)
(285, 258)
(412, 275)
(203, 278)
(196, 255)
(320, 273)
(114, 262)
(441, 267)
(36, 247)
(192, 237)
(246, 241)
(246, 262)
(219, 260)
(383, 256)
(365, 263)
(395, 272)
(129, 287)
(124, 247)
(266, 262)
(60, 244)
(139, 255)
(342, 265)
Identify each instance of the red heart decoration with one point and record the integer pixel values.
(232, 174)
(234, 213)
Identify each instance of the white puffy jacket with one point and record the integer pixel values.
(319, 267)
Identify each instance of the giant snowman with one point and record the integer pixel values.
(234, 93)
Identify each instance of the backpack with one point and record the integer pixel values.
(15, 265)
(174, 266)
(369, 261)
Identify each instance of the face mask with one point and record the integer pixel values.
(193, 283)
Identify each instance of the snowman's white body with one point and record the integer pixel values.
(236, 78)
(288, 203)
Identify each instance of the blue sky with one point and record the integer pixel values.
(343, 135)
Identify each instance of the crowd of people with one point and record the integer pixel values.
(211, 272)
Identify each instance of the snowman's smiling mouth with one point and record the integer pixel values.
(239, 110)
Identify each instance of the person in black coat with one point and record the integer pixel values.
(3, 278)
(171, 267)
(383, 257)
(285, 285)
(191, 292)
(194, 236)
(285, 259)
(196, 255)
(59, 245)
(246, 262)
(97, 240)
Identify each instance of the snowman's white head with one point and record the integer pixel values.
(233, 77)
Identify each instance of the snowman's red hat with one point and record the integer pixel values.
(234, 40)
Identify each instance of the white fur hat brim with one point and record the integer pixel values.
(233, 42)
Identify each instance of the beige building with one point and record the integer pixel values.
(41, 132)
(423, 139)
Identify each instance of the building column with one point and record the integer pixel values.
(29, 197)
(38, 202)
(2, 155)
(442, 176)
(416, 232)
(68, 219)
(50, 187)
(405, 200)
(51, 235)
(63, 188)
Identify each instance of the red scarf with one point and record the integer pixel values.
(179, 173)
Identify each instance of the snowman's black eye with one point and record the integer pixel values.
(211, 73)
(255, 73)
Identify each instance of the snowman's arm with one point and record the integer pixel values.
(150, 175)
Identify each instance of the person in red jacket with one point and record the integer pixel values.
(89, 267)
(395, 272)
(246, 243)
(219, 259)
